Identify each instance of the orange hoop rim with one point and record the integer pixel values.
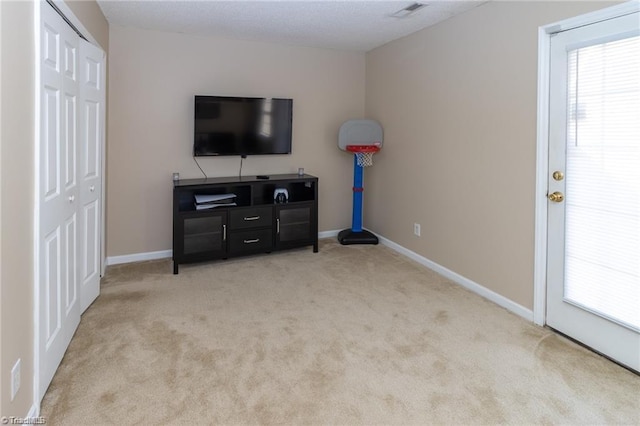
(363, 148)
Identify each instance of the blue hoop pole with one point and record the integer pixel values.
(356, 221)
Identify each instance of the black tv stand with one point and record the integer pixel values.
(255, 224)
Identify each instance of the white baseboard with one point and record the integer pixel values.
(464, 282)
(328, 234)
(139, 257)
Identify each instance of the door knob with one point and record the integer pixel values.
(556, 197)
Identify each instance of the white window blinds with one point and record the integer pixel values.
(602, 265)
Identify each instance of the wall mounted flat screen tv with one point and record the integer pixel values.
(242, 126)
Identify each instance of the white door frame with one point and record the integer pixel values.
(542, 151)
(71, 17)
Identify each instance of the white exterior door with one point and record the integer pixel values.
(92, 127)
(58, 193)
(593, 259)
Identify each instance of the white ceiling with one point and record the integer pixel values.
(349, 25)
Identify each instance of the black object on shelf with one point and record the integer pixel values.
(255, 224)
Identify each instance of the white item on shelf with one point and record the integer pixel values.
(201, 198)
(213, 205)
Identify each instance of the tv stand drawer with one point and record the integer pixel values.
(251, 241)
(254, 217)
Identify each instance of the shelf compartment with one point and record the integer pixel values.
(298, 191)
(186, 201)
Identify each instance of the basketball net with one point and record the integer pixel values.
(364, 159)
(364, 153)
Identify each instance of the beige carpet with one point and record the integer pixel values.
(350, 335)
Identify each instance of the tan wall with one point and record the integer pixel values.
(153, 78)
(90, 14)
(16, 197)
(1, 223)
(17, 171)
(458, 105)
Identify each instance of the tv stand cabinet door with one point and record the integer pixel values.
(201, 236)
(294, 225)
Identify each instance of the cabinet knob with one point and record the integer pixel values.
(72, 198)
(92, 188)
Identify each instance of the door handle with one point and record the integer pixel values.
(224, 232)
(556, 197)
(277, 226)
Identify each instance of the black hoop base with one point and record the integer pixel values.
(347, 236)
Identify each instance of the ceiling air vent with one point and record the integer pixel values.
(408, 11)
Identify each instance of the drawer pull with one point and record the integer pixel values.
(252, 218)
(257, 240)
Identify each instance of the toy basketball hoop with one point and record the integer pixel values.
(362, 138)
(364, 153)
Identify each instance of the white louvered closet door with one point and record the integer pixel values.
(593, 276)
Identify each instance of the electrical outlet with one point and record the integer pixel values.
(416, 229)
(15, 379)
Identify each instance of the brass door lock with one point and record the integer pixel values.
(556, 197)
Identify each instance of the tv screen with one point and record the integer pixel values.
(242, 126)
